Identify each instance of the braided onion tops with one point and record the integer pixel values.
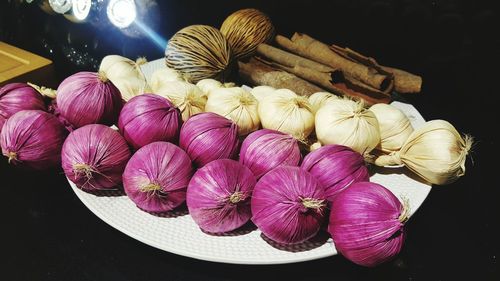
(245, 30)
(199, 52)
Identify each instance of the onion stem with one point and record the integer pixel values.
(312, 203)
(84, 169)
(150, 187)
(405, 212)
(12, 156)
(236, 197)
(102, 76)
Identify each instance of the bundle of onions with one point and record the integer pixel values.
(162, 77)
(347, 122)
(156, 177)
(287, 112)
(336, 167)
(88, 98)
(245, 30)
(207, 137)
(148, 118)
(260, 92)
(15, 97)
(33, 139)
(218, 196)
(288, 205)
(94, 157)
(395, 127)
(265, 149)
(208, 85)
(188, 98)
(436, 152)
(237, 105)
(317, 100)
(198, 52)
(125, 74)
(367, 223)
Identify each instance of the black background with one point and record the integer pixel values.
(48, 234)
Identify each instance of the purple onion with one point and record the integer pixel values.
(288, 205)
(15, 97)
(208, 136)
(265, 149)
(336, 167)
(149, 118)
(367, 223)
(94, 157)
(156, 177)
(88, 98)
(218, 196)
(33, 138)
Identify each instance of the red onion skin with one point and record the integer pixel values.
(336, 167)
(83, 98)
(15, 97)
(278, 209)
(208, 136)
(265, 149)
(218, 196)
(149, 118)
(101, 149)
(33, 139)
(365, 224)
(161, 165)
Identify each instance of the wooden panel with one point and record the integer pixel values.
(16, 63)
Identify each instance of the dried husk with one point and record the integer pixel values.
(317, 100)
(125, 74)
(436, 152)
(395, 127)
(260, 92)
(163, 76)
(188, 98)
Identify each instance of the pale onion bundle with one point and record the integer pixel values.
(208, 85)
(347, 122)
(436, 152)
(163, 76)
(237, 105)
(125, 74)
(245, 30)
(199, 52)
(317, 100)
(188, 98)
(394, 125)
(287, 112)
(260, 92)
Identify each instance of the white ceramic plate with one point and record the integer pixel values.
(177, 233)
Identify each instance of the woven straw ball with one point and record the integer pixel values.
(198, 52)
(245, 30)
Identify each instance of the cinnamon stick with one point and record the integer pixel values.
(321, 75)
(313, 49)
(405, 82)
(255, 72)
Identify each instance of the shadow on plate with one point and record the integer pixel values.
(107, 193)
(313, 243)
(245, 229)
(180, 211)
(396, 171)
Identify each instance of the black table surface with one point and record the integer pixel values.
(48, 234)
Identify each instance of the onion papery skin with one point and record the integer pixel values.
(33, 139)
(208, 136)
(336, 167)
(88, 98)
(156, 177)
(94, 157)
(266, 149)
(149, 118)
(218, 196)
(367, 224)
(288, 205)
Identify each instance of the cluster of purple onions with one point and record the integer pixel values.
(225, 181)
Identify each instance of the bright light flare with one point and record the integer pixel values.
(121, 13)
(81, 9)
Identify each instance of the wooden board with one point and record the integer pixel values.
(17, 65)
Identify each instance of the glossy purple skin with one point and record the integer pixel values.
(365, 225)
(35, 137)
(278, 209)
(15, 97)
(336, 167)
(208, 136)
(209, 196)
(265, 149)
(99, 147)
(162, 164)
(84, 99)
(149, 118)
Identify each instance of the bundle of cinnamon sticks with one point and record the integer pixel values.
(306, 66)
